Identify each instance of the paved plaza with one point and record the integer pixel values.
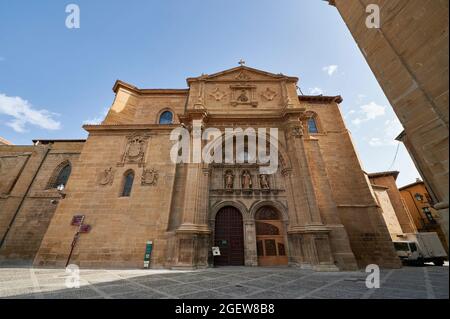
(427, 282)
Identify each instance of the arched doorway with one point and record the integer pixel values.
(229, 236)
(270, 245)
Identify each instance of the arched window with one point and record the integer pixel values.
(312, 125)
(127, 183)
(62, 176)
(166, 117)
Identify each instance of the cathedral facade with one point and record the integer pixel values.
(315, 210)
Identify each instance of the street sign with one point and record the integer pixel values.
(85, 228)
(77, 220)
(148, 253)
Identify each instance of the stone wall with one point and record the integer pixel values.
(409, 56)
(357, 208)
(27, 204)
(401, 211)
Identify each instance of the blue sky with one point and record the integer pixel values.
(53, 79)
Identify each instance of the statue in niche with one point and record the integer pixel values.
(229, 179)
(243, 97)
(263, 181)
(246, 180)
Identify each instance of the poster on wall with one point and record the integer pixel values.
(216, 251)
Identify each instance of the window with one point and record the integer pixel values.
(166, 117)
(312, 125)
(399, 246)
(63, 176)
(413, 247)
(127, 184)
(428, 214)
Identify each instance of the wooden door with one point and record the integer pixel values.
(229, 236)
(270, 245)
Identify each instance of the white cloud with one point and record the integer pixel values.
(330, 69)
(369, 112)
(360, 98)
(392, 128)
(375, 141)
(23, 113)
(349, 113)
(98, 119)
(315, 91)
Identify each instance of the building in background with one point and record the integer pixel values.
(420, 205)
(384, 184)
(408, 55)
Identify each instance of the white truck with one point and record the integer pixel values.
(419, 248)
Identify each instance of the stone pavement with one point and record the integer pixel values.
(427, 282)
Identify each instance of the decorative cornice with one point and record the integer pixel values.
(121, 84)
(119, 127)
(320, 98)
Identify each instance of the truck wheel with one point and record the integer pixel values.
(438, 262)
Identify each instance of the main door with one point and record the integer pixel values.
(229, 237)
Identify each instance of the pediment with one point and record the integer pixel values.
(242, 74)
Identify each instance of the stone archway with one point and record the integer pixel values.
(229, 237)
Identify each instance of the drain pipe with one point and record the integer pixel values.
(24, 196)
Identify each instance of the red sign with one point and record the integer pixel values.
(85, 228)
(77, 220)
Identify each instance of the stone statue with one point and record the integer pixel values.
(263, 181)
(229, 178)
(246, 180)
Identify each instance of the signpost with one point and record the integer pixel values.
(148, 253)
(77, 220)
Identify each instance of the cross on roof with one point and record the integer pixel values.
(241, 62)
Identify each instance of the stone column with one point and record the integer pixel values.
(251, 256)
(193, 235)
(309, 237)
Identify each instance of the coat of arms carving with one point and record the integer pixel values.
(149, 177)
(135, 149)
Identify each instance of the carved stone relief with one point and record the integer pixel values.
(149, 177)
(268, 94)
(135, 149)
(297, 131)
(242, 76)
(217, 94)
(243, 94)
(106, 177)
